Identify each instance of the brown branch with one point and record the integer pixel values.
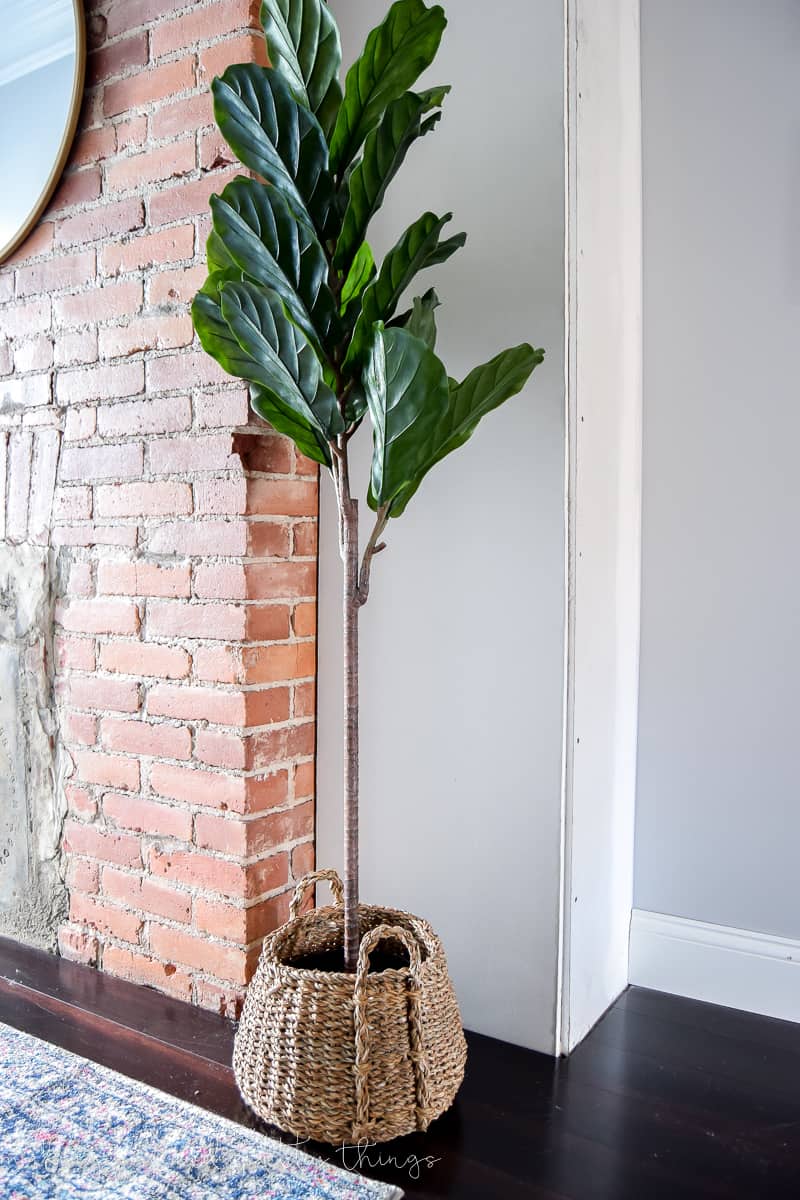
(374, 546)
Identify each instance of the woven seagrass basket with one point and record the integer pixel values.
(338, 1057)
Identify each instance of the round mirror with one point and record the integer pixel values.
(42, 66)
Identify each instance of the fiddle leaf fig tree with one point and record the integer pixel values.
(296, 305)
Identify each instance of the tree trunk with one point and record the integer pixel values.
(350, 608)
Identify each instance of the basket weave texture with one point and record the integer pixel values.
(339, 1058)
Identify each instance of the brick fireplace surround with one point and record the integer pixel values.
(183, 546)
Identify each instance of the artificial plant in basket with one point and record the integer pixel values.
(296, 305)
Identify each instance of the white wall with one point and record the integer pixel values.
(463, 638)
(718, 822)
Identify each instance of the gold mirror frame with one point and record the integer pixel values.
(76, 100)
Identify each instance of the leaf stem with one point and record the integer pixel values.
(374, 546)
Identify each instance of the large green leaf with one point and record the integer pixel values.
(304, 47)
(406, 390)
(270, 407)
(361, 274)
(284, 361)
(485, 388)
(217, 339)
(396, 54)
(276, 137)
(418, 248)
(262, 238)
(384, 152)
(421, 320)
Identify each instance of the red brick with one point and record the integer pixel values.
(114, 922)
(80, 802)
(204, 788)
(147, 250)
(267, 875)
(142, 660)
(237, 924)
(267, 623)
(192, 454)
(305, 539)
(250, 47)
(101, 462)
(79, 187)
(214, 151)
(304, 620)
(226, 962)
(221, 749)
(284, 497)
(69, 270)
(226, 497)
(37, 243)
(303, 860)
(140, 969)
(213, 621)
(116, 58)
(197, 704)
(142, 579)
(105, 303)
(197, 870)
(199, 538)
(203, 25)
(192, 112)
(83, 875)
(220, 581)
(271, 746)
(145, 816)
(269, 539)
(97, 694)
(91, 842)
(217, 664)
(138, 737)
(270, 664)
(304, 466)
(98, 616)
(146, 333)
(132, 134)
(178, 286)
(93, 145)
(143, 500)
(225, 1001)
(148, 86)
(78, 946)
(167, 162)
(244, 839)
(294, 580)
(124, 15)
(74, 654)
(108, 770)
(188, 199)
(100, 383)
(305, 700)
(147, 895)
(105, 220)
(94, 535)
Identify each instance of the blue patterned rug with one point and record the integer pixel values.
(72, 1130)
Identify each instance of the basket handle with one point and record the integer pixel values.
(308, 881)
(418, 1058)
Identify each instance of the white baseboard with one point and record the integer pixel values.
(733, 967)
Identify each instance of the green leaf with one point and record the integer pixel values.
(276, 137)
(406, 389)
(361, 274)
(384, 151)
(304, 47)
(418, 248)
(269, 406)
(217, 339)
(396, 54)
(284, 362)
(421, 320)
(485, 388)
(259, 233)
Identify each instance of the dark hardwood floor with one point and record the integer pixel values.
(666, 1099)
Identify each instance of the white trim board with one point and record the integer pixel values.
(755, 972)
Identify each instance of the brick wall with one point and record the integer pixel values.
(185, 642)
